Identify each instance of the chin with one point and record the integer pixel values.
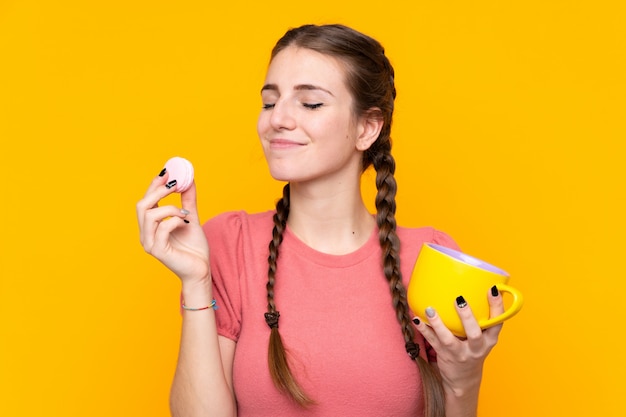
(281, 176)
(284, 172)
(288, 176)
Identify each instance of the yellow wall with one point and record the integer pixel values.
(509, 135)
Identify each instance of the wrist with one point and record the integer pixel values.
(197, 292)
(462, 400)
(468, 389)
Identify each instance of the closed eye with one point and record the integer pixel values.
(268, 106)
(313, 106)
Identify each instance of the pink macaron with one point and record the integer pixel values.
(181, 170)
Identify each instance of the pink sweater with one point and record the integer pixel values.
(336, 320)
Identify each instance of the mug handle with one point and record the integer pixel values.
(515, 307)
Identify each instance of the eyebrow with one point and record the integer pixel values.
(299, 87)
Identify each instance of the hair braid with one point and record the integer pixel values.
(277, 357)
(370, 77)
(384, 164)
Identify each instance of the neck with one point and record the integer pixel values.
(332, 220)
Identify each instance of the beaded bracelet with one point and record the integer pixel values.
(213, 306)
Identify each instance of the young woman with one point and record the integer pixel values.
(312, 317)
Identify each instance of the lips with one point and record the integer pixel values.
(284, 144)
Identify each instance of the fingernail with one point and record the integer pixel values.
(170, 184)
(162, 172)
(185, 212)
(494, 291)
(460, 301)
(416, 321)
(430, 312)
(186, 221)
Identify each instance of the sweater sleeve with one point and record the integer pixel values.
(226, 254)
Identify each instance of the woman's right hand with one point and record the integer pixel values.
(173, 235)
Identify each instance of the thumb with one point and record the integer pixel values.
(189, 202)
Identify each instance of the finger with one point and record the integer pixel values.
(189, 202)
(492, 333)
(158, 181)
(427, 332)
(442, 333)
(152, 219)
(496, 307)
(162, 235)
(473, 332)
(156, 191)
(496, 304)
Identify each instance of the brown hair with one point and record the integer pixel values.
(370, 78)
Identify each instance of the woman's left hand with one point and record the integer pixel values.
(460, 361)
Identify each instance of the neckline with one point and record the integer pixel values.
(293, 244)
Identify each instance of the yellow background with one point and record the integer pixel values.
(509, 135)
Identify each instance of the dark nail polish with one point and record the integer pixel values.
(460, 301)
(186, 221)
(170, 184)
(416, 321)
(162, 172)
(494, 291)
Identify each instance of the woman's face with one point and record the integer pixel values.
(307, 127)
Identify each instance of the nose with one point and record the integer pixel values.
(282, 116)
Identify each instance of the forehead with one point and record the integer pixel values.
(296, 66)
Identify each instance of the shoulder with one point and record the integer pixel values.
(234, 223)
(411, 242)
(415, 237)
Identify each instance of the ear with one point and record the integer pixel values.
(370, 125)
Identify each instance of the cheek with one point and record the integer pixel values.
(333, 127)
(262, 123)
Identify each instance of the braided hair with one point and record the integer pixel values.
(370, 78)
